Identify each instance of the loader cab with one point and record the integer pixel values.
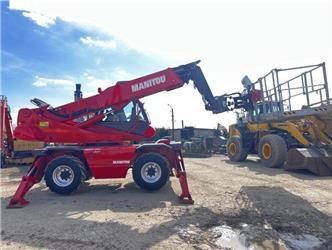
(264, 111)
(270, 107)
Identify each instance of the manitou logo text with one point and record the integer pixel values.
(148, 83)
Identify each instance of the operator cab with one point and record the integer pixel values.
(270, 107)
(132, 118)
(261, 111)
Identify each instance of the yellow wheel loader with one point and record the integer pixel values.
(285, 119)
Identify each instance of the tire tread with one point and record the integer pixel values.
(162, 162)
(279, 150)
(76, 183)
(241, 154)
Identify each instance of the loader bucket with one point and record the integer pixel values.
(311, 159)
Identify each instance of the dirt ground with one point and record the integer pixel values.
(114, 214)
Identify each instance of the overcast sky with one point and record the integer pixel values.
(47, 46)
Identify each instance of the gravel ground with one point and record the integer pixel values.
(111, 214)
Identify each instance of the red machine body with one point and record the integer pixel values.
(63, 124)
(102, 127)
(110, 161)
(102, 163)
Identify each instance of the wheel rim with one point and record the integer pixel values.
(267, 151)
(232, 148)
(63, 175)
(151, 172)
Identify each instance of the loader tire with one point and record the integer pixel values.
(151, 171)
(235, 150)
(272, 149)
(64, 174)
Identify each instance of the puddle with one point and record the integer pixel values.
(253, 237)
(303, 242)
(230, 238)
(247, 237)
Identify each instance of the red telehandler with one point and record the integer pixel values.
(101, 127)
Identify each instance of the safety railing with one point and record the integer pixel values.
(295, 88)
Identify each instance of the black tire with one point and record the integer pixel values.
(235, 150)
(64, 168)
(154, 164)
(272, 149)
